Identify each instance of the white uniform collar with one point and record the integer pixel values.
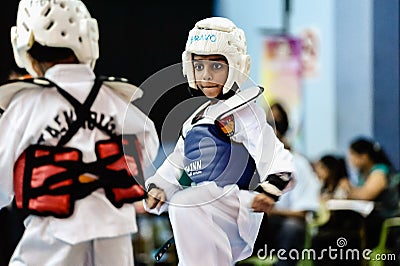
(63, 72)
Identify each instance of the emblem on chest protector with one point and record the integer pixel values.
(227, 125)
(48, 180)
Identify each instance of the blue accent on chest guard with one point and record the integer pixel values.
(212, 156)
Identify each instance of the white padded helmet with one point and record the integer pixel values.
(55, 23)
(218, 35)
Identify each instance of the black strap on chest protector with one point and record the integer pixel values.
(82, 111)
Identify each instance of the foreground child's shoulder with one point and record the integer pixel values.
(251, 110)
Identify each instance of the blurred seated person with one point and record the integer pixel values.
(374, 184)
(285, 226)
(331, 170)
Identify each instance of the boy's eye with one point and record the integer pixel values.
(217, 65)
(198, 67)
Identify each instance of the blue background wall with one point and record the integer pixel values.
(386, 99)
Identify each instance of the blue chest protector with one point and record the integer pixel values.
(210, 155)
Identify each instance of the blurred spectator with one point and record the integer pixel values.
(331, 170)
(374, 183)
(285, 226)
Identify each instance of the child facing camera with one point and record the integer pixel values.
(204, 184)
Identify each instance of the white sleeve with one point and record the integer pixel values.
(167, 175)
(10, 145)
(252, 129)
(138, 123)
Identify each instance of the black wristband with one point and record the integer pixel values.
(279, 180)
(261, 190)
(274, 185)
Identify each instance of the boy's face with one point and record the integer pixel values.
(210, 73)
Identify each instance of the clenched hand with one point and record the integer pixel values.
(156, 198)
(262, 203)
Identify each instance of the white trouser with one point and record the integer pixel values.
(39, 248)
(205, 224)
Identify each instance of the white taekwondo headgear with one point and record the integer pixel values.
(218, 35)
(55, 23)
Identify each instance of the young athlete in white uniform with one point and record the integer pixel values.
(72, 144)
(204, 184)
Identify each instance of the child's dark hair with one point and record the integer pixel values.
(337, 170)
(372, 148)
(282, 124)
(50, 54)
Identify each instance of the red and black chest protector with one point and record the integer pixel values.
(49, 179)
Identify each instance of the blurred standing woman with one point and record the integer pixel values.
(374, 183)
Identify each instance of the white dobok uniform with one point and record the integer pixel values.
(212, 220)
(97, 232)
